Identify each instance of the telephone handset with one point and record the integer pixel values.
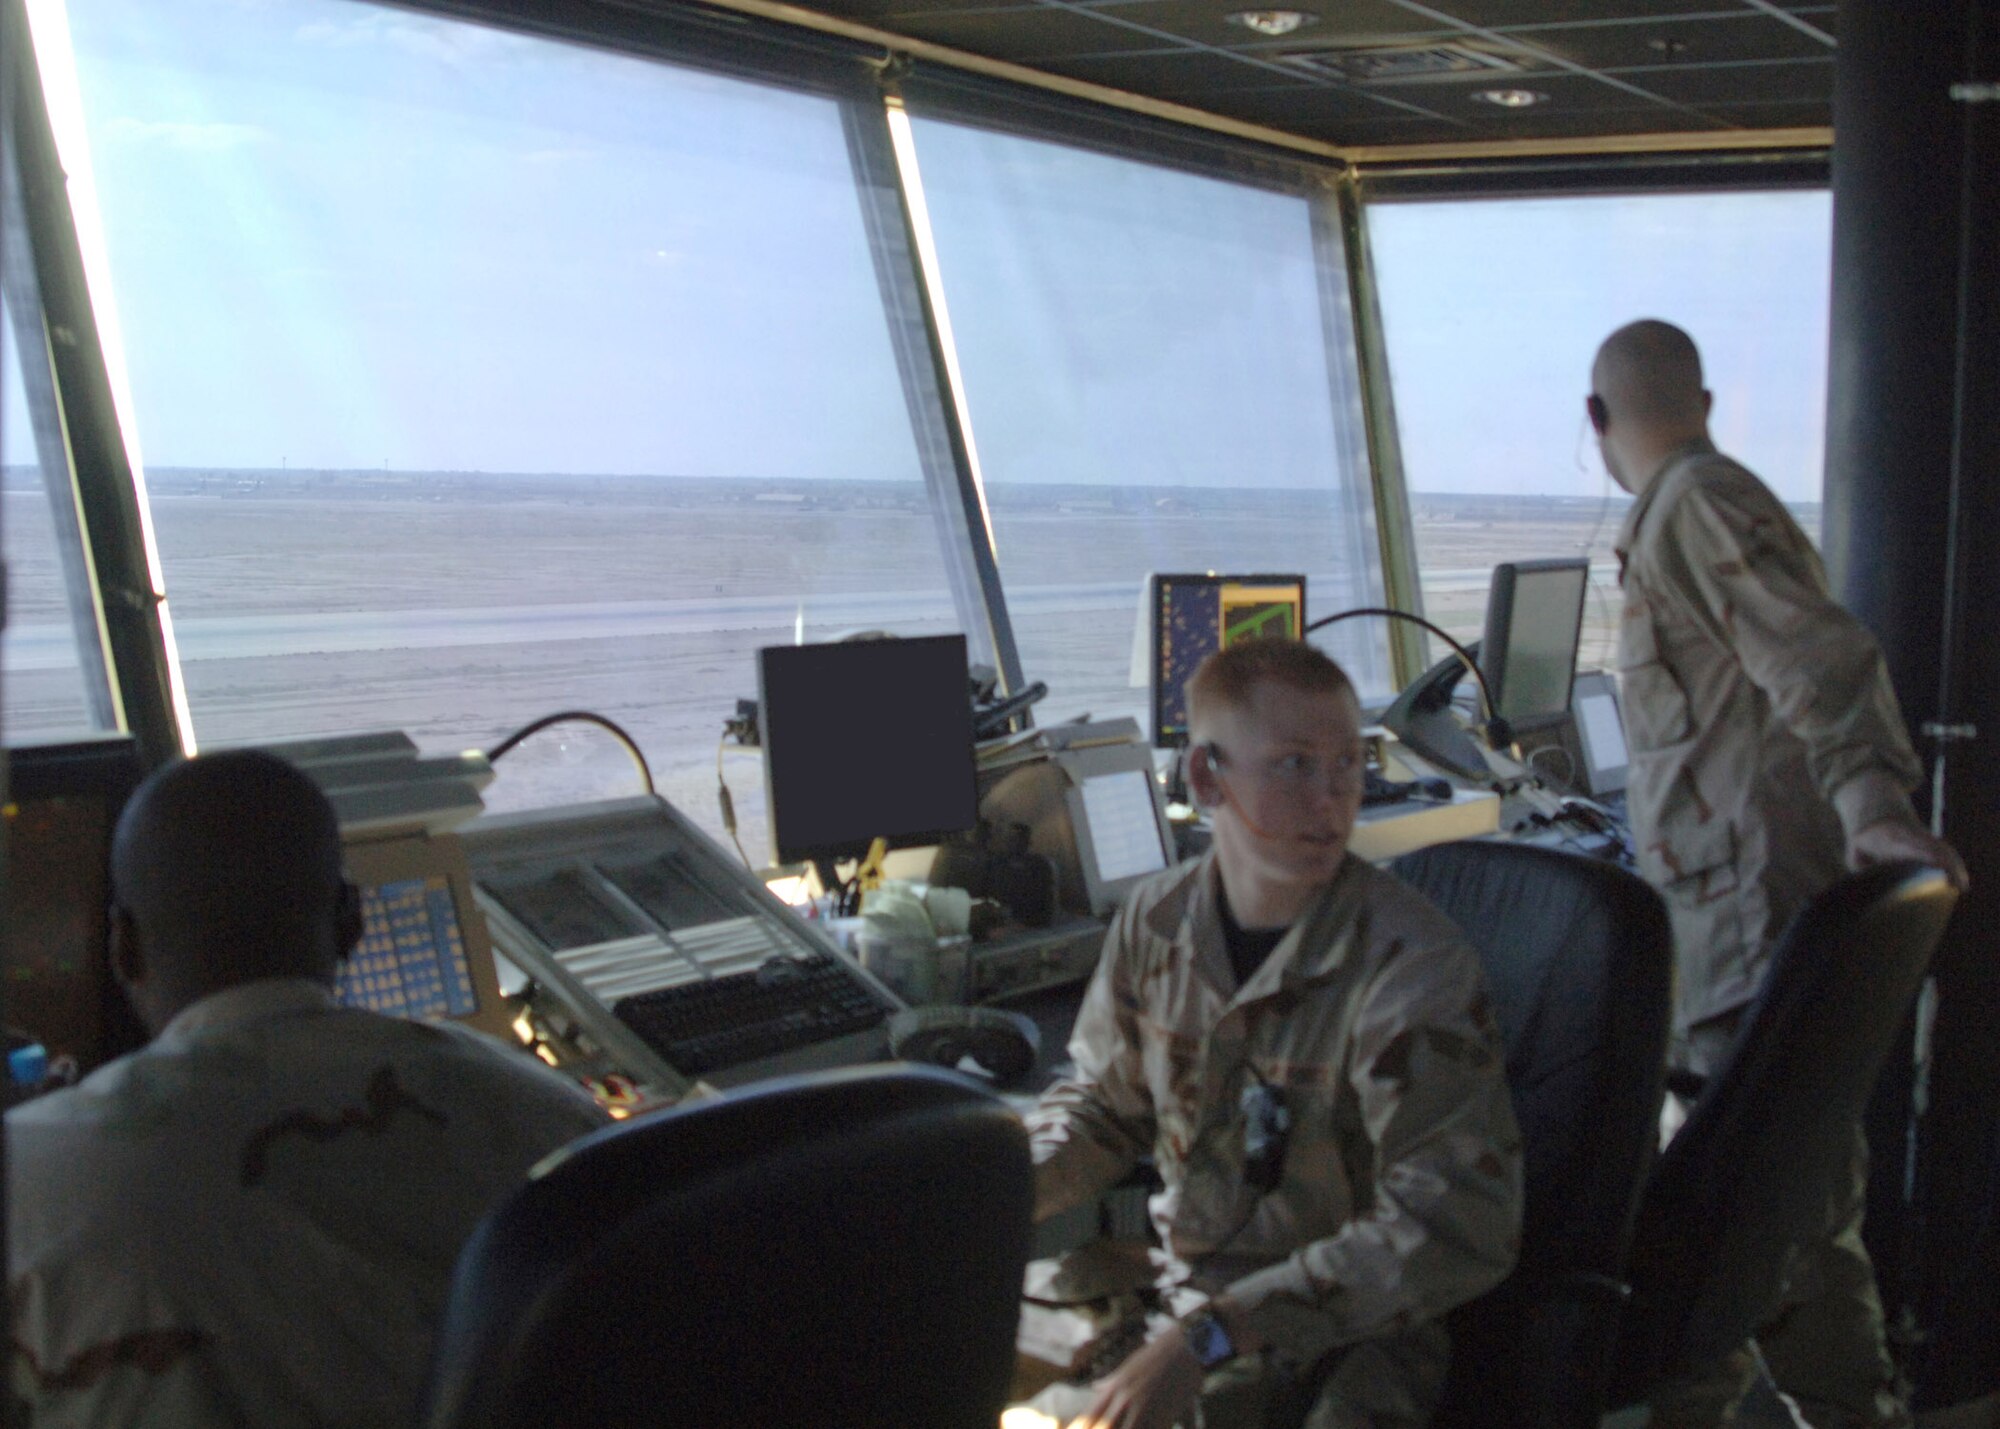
(1422, 717)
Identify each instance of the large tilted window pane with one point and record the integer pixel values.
(481, 376)
(44, 694)
(1493, 310)
(1152, 387)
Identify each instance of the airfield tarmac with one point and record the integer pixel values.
(459, 613)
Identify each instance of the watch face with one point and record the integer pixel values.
(1209, 1341)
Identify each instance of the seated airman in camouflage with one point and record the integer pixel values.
(1305, 1047)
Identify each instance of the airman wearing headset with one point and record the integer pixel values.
(1331, 1191)
(1767, 755)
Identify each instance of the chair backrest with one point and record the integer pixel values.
(1579, 959)
(1748, 1176)
(839, 1249)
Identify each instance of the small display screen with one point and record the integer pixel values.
(411, 960)
(1534, 621)
(1602, 733)
(1195, 616)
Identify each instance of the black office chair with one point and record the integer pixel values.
(1746, 1178)
(1579, 960)
(840, 1249)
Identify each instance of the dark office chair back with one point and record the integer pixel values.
(1748, 1176)
(1579, 960)
(841, 1249)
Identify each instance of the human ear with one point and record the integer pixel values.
(1204, 780)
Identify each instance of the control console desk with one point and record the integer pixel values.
(642, 950)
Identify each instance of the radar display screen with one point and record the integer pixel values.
(1196, 615)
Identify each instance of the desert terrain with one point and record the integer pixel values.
(458, 606)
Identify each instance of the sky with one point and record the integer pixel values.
(1493, 312)
(350, 237)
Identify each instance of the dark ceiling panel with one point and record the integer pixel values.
(1495, 14)
(1682, 42)
(1374, 131)
(1726, 84)
(1184, 77)
(879, 12)
(1609, 67)
(1566, 94)
(1030, 34)
(1315, 110)
(1355, 22)
(1782, 115)
(1560, 124)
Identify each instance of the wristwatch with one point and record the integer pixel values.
(1208, 1339)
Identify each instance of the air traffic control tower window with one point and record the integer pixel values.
(481, 376)
(1151, 387)
(53, 681)
(1493, 310)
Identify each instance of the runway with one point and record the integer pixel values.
(50, 646)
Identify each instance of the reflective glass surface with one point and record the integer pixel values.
(480, 376)
(1151, 389)
(1493, 311)
(44, 696)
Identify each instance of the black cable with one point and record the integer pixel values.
(727, 802)
(585, 717)
(1478, 676)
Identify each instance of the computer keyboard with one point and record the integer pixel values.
(790, 1001)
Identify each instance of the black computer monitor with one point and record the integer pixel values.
(1534, 619)
(1196, 615)
(866, 739)
(63, 803)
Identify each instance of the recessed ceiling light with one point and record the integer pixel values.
(1510, 98)
(1273, 22)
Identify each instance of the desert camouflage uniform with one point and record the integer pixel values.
(1401, 1188)
(253, 1221)
(1762, 728)
(1763, 734)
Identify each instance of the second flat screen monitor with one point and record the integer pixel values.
(866, 739)
(1196, 615)
(1534, 619)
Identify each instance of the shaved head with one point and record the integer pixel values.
(1646, 399)
(226, 869)
(1649, 373)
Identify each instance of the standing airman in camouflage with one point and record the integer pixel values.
(1767, 756)
(1306, 1048)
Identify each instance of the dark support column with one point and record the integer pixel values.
(1904, 349)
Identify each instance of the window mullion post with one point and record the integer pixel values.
(913, 300)
(32, 341)
(93, 454)
(1395, 531)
